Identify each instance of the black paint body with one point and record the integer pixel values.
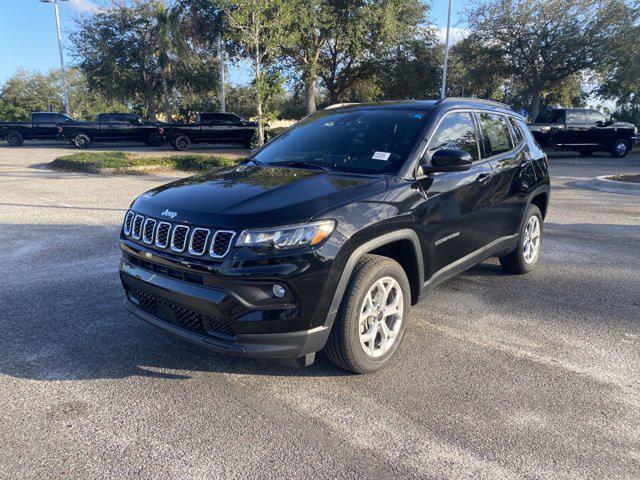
(406, 216)
(113, 127)
(43, 126)
(213, 128)
(580, 129)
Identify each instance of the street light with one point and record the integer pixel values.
(443, 93)
(64, 77)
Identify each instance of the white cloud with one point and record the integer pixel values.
(455, 34)
(83, 6)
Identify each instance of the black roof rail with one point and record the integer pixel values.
(494, 103)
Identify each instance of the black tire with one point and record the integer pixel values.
(14, 138)
(344, 347)
(619, 148)
(181, 143)
(586, 152)
(154, 140)
(82, 140)
(515, 262)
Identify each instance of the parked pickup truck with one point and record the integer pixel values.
(43, 126)
(210, 128)
(583, 130)
(112, 127)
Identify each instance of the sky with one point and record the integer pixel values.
(28, 33)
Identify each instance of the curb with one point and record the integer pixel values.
(611, 186)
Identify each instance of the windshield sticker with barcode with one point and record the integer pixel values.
(384, 156)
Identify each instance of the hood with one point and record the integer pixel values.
(255, 196)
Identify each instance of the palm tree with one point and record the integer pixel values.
(171, 47)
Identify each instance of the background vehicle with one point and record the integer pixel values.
(211, 128)
(43, 126)
(325, 236)
(112, 127)
(584, 130)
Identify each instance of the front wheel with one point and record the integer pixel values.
(82, 140)
(619, 149)
(525, 257)
(15, 139)
(181, 143)
(373, 316)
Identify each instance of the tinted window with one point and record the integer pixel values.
(45, 117)
(210, 118)
(497, 138)
(230, 118)
(517, 133)
(551, 116)
(456, 131)
(367, 141)
(576, 116)
(595, 117)
(118, 118)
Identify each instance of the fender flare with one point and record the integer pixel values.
(358, 253)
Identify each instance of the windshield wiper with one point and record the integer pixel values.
(302, 163)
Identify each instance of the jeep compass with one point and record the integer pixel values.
(326, 236)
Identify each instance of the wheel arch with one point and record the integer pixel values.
(402, 246)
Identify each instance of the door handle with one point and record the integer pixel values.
(484, 178)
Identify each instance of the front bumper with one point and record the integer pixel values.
(228, 317)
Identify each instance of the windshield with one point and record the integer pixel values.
(363, 141)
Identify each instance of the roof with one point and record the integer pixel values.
(423, 104)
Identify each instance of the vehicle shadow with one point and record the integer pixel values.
(136, 147)
(63, 318)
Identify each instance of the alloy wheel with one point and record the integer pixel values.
(531, 245)
(381, 317)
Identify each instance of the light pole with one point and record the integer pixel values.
(443, 93)
(64, 76)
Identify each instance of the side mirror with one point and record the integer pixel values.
(447, 160)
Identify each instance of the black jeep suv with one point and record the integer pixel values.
(327, 235)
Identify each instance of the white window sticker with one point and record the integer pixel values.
(384, 156)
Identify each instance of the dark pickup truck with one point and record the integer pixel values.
(43, 126)
(112, 127)
(583, 130)
(210, 128)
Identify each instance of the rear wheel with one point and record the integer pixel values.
(373, 316)
(15, 138)
(620, 148)
(181, 143)
(82, 140)
(525, 257)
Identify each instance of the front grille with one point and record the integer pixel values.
(162, 234)
(179, 238)
(148, 231)
(221, 243)
(137, 227)
(198, 243)
(181, 315)
(128, 222)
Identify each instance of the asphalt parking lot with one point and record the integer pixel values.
(500, 376)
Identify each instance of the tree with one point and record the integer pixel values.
(171, 46)
(25, 92)
(258, 28)
(117, 49)
(363, 34)
(541, 43)
(310, 29)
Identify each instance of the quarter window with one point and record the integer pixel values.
(497, 138)
(517, 133)
(456, 131)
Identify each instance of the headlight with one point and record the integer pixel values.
(288, 236)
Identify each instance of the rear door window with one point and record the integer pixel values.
(456, 131)
(496, 136)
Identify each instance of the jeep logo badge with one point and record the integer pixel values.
(169, 213)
